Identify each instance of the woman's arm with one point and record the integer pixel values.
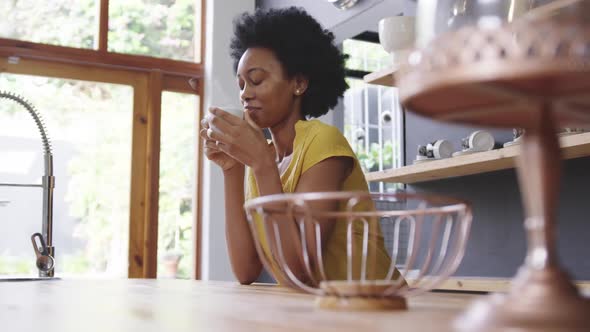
(327, 175)
(242, 253)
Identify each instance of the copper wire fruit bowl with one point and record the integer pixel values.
(356, 250)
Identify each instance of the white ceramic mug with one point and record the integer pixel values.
(396, 33)
(234, 110)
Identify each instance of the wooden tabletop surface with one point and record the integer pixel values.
(187, 305)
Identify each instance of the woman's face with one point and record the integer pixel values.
(266, 92)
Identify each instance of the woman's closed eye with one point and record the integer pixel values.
(255, 78)
(242, 84)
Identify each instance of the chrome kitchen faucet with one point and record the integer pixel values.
(42, 242)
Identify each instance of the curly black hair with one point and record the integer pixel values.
(302, 46)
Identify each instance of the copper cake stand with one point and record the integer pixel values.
(532, 74)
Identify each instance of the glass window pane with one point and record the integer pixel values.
(158, 28)
(89, 125)
(177, 185)
(72, 23)
(373, 125)
(365, 56)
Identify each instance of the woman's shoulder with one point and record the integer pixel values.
(319, 141)
(318, 130)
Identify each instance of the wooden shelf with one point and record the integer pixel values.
(384, 77)
(573, 146)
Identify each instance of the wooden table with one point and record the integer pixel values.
(185, 305)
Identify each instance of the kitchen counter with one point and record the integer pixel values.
(188, 305)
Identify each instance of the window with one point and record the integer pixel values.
(373, 117)
(72, 23)
(116, 77)
(365, 54)
(373, 125)
(165, 28)
(177, 180)
(92, 163)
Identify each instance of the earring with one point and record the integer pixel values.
(298, 92)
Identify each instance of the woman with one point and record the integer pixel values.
(288, 70)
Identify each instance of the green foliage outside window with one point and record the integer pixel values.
(371, 159)
(159, 28)
(58, 22)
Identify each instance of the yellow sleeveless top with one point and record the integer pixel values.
(315, 142)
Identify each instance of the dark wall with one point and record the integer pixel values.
(496, 247)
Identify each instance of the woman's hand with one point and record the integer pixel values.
(241, 139)
(212, 152)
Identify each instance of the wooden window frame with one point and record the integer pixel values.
(149, 77)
